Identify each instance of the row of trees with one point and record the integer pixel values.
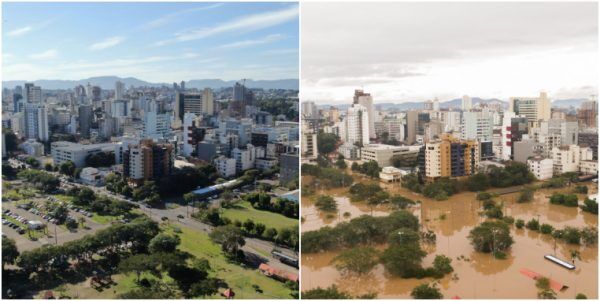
(363, 230)
(116, 240)
(41, 180)
(284, 236)
(370, 168)
(570, 235)
(515, 173)
(85, 197)
(263, 201)
(327, 177)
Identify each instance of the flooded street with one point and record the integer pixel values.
(478, 275)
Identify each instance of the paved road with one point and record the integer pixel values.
(255, 246)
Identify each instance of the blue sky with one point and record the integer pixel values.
(157, 42)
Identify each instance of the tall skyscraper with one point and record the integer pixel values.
(242, 97)
(208, 102)
(187, 103)
(119, 89)
(36, 121)
(357, 125)
(366, 100)
(86, 116)
(33, 94)
(534, 108)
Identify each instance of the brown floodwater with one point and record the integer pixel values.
(478, 275)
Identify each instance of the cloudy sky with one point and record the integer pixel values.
(416, 51)
(157, 42)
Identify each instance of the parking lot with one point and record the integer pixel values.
(55, 233)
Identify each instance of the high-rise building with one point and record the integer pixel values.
(86, 117)
(366, 100)
(451, 157)
(466, 103)
(33, 94)
(357, 125)
(309, 110)
(412, 121)
(242, 97)
(309, 145)
(477, 125)
(147, 161)
(156, 125)
(536, 109)
(119, 90)
(188, 103)
(208, 102)
(36, 121)
(566, 159)
(588, 114)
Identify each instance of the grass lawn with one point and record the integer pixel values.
(240, 279)
(83, 290)
(245, 211)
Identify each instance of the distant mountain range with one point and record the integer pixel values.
(457, 103)
(108, 82)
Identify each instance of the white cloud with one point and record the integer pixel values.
(107, 43)
(20, 31)
(246, 43)
(415, 51)
(48, 54)
(170, 17)
(243, 24)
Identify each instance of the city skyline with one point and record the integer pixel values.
(520, 49)
(161, 42)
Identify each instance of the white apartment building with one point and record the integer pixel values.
(383, 153)
(566, 159)
(188, 122)
(541, 168)
(366, 100)
(265, 163)
(433, 166)
(225, 166)
(36, 121)
(357, 125)
(477, 126)
(156, 126)
(534, 108)
(506, 135)
(244, 158)
(349, 151)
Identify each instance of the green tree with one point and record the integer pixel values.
(163, 243)
(359, 260)
(68, 168)
(230, 238)
(326, 203)
(326, 143)
(9, 251)
(331, 292)
(403, 260)
(478, 182)
(443, 264)
(341, 163)
(138, 264)
(491, 236)
(425, 291)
